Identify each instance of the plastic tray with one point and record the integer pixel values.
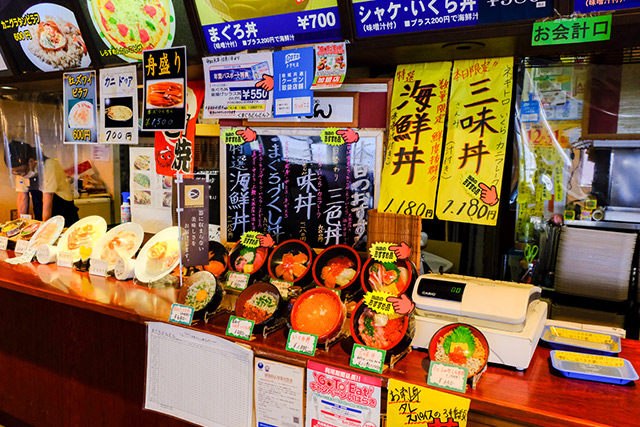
(614, 370)
(609, 346)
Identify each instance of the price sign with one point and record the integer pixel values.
(99, 267)
(25, 216)
(240, 328)
(4, 241)
(79, 90)
(182, 314)
(21, 246)
(119, 105)
(301, 342)
(367, 358)
(449, 377)
(65, 259)
(237, 280)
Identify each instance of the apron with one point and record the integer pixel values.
(60, 206)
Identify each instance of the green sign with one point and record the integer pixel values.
(367, 358)
(569, 31)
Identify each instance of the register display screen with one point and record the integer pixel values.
(441, 289)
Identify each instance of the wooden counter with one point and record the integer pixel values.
(72, 352)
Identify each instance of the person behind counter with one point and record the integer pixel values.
(57, 197)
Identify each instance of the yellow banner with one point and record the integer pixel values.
(412, 161)
(473, 158)
(409, 404)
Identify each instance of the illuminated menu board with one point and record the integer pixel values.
(123, 29)
(43, 36)
(235, 25)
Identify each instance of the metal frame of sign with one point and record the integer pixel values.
(378, 134)
(311, 123)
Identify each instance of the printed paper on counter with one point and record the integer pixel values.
(119, 105)
(278, 394)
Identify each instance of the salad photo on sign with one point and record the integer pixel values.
(48, 39)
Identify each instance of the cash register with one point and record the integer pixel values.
(510, 315)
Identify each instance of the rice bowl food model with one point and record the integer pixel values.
(159, 256)
(260, 302)
(320, 312)
(291, 262)
(461, 345)
(201, 291)
(251, 261)
(394, 278)
(337, 267)
(218, 259)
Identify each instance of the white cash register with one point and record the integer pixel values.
(510, 315)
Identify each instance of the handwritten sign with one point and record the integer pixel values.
(474, 154)
(591, 359)
(570, 31)
(79, 90)
(99, 267)
(22, 259)
(283, 287)
(367, 358)
(581, 335)
(21, 246)
(377, 301)
(119, 105)
(165, 89)
(4, 241)
(449, 377)
(301, 342)
(412, 161)
(182, 314)
(240, 328)
(237, 280)
(65, 259)
(409, 404)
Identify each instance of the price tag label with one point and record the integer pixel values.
(25, 216)
(301, 342)
(237, 280)
(21, 246)
(367, 358)
(4, 241)
(591, 359)
(99, 267)
(240, 328)
(581, 335)
(449, 377)
(28, 255)
(65, 259)
(182, 314)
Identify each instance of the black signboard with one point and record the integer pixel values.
(298, 187)
(122, 29)
(165, 86)
(43, 36)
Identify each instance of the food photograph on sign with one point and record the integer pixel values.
(165, 94)
(48, 40)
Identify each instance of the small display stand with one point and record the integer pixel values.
(397, 357)
(279, 323)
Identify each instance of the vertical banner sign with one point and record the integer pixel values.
(292, 92)
(194, 220)
(174, 149)
(412, 161)
(80, 108)
(165, 83)
(409, 404)
(340, 398)
(473, 159)
(238, 86)
(119, 105)
(331, 66)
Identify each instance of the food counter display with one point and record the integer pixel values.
(73, 346)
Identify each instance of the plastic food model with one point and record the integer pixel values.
(250, 260)
(86, 235)
(161, 256)
(260, 307)
(13, 227)
(338, 272)
(461, 347)
(379, 330)
(292, 267)
(388, 277)
(121, 244)
(319, 312)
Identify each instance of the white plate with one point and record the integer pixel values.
(132, 227)
(58, 221)
(77, 106)
(100, 226)
(171, 235)
(62, 13)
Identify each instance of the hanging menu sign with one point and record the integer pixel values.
(588, 6)
(43, 36)
(80, 108)
(298, 187)
(474, 153)
(238, 86)
(292, 86)
(383, 17)
(418, 113)
(194, 220)
(341, 398)
(232, 25)
(165, 83)
(119, 105)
